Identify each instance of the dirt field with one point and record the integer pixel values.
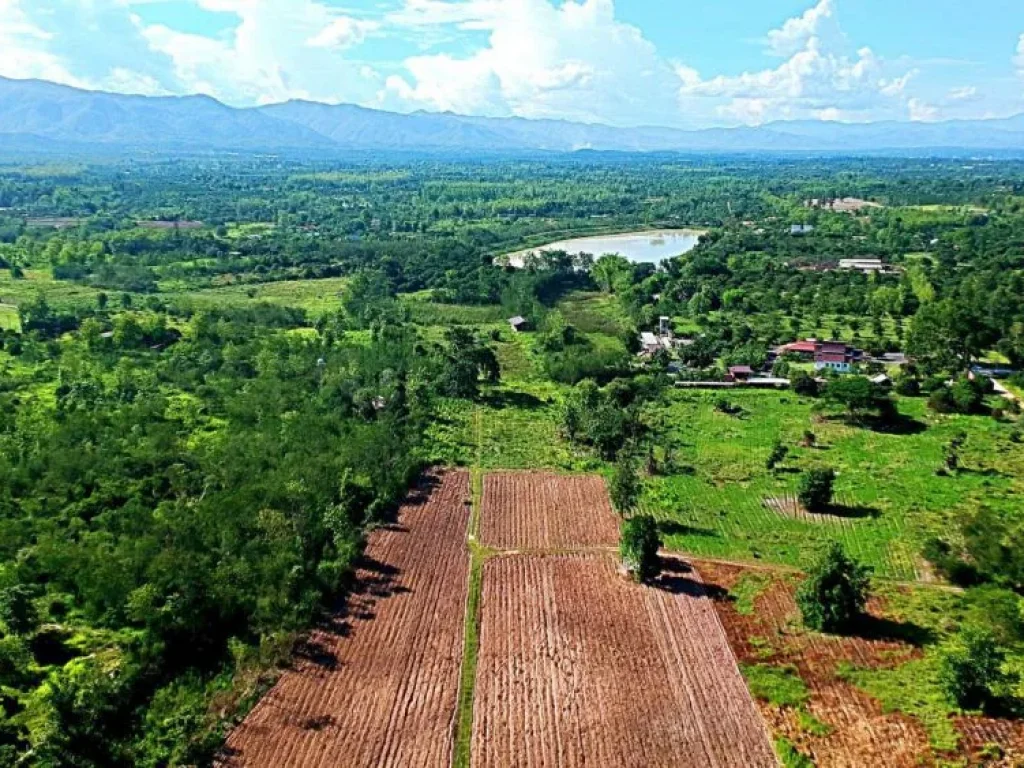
(537, 510)
(860, 733)
(380, 687)
(578, 666)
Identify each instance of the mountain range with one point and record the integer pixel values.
(42, 116)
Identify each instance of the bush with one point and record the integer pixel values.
(639, 545)
(835, 592)
(907, 386)
(971, 668)
(777, 456)
(804, 384)
(815, 491)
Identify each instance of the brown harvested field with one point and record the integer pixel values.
(579, 666)
(380, 687)
(538, 510)
(860, 732)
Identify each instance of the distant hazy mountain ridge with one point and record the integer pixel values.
(37, 114)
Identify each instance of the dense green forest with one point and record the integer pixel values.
(217, 374)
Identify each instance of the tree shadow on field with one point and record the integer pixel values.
(674, 578)
(871, 627)
(675, 528)
(899, 424)
(421, 491)
(319, 653)
(522, 400)
(851, 512)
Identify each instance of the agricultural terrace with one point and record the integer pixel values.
(379, 686)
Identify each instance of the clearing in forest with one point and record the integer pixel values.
(380, 687)
(578, 666)
(537, 510)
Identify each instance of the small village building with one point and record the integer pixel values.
(649, 343)
(740, 373)
(863, 265)
(834, 356)
(519, 324)
(801, 229)
(801, 348)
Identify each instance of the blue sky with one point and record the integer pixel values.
(683, 63)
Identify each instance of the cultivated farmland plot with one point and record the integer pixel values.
(380, 688)
(578, 666)
(546, 511)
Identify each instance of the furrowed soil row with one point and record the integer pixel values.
(546, 511)
(379, 686)
(580, 667)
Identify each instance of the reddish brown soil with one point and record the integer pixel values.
(579, 666)
(536, 510)
(861, 733)
(378, 688)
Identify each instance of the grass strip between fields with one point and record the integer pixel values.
(471, 643)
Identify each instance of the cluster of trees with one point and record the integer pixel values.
(194, 492)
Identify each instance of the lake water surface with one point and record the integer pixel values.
(650, 247)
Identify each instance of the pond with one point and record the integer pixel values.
(651, 247)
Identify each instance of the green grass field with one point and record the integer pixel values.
(9, 320)
(890, 495)
(39, 282)
(318, 297)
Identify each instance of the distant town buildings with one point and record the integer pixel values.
(867, 266)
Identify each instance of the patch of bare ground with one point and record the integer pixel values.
(579, 666)
(859, 732)
(538, 510)
(378, 686)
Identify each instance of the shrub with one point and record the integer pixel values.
(639, 545)
(907, 386)
(804, 384)
(816, 487)
(777, 456)
(835, 592)
(971, 667)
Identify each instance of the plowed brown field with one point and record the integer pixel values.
(860, 732)
(578, 667)
(537, 510)
(379, 688)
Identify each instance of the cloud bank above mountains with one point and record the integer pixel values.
(567, 59)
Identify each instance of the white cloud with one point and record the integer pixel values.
(343, 32)
(794, 35)
(24, 48)
(279, 50)
(921, 111)
(962, 93)
(821, 77)
(572, 60)
(568, 59)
